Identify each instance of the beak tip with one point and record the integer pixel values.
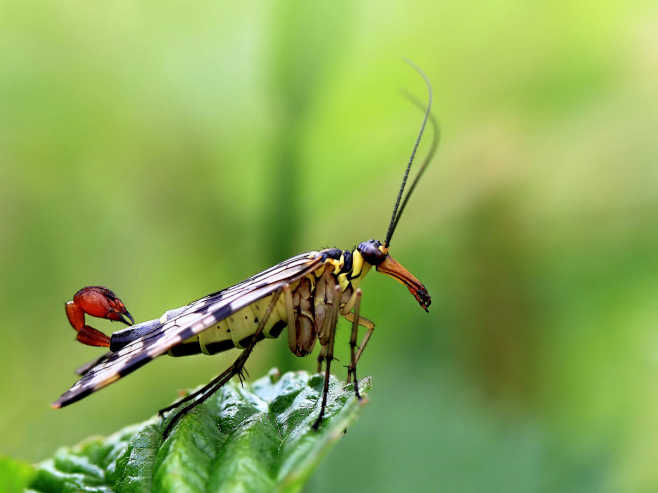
(424, 300)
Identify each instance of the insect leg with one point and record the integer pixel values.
(363, 322)
(350, 303)
(371, 328)
(321, 357)
(328, 349)
(292, 316)
(202, 395)
(327, 318)
(191, 396)
(351, 371)
(235, 369)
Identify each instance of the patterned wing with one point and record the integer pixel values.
(187, 322)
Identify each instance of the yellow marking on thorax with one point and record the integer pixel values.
(342, 281)
(357, 263)
(359, 268)
(337, 265)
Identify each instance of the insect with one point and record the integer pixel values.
(307, 293)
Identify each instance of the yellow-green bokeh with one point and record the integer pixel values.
(170, 150)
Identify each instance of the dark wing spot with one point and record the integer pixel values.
(123, 337)
(137, 362)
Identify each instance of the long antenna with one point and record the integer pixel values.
(435, 143)
(393, 223)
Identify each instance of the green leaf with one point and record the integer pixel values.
(255, 437)
(15, 476)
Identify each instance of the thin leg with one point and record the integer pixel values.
(235, 369)
(363, 322)
(191, 396)
(351, 371)
(366, 338)
(350, 303)
(329, 321)
(321, 356)
(329, 356)
(292, 320)
(209, 389)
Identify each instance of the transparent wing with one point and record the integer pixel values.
(188, 321)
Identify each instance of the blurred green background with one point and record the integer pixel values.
(169, 150)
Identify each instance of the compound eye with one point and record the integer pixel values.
(371, 252)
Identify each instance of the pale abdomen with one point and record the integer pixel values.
(234, 331)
